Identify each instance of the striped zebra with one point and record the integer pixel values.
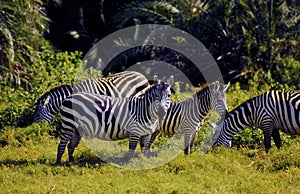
(108, 118)
(121, 85)
(271, 112)
(186, 116)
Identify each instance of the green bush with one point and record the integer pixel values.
(17, 104)
(288, 72)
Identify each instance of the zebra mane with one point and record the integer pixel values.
(204, 89)
(55, 89)
(150, 88)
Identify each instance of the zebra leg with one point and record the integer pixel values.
(142, 145)
(133, 140)
(192, 141)
(153, 137)
(267, 139)
(187, 141)
(151, 140)
(65, 138)
(276, 138)
(73, 144)
(146, 142)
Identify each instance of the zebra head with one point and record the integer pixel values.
(50, 102)
(41, 109)
(218, 138)
(218, 97)
(162, 93)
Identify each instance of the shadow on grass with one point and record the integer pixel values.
(82, 162)
(86, 159)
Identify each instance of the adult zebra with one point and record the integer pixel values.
(107, 118)
(186, 116)
(271, 112)
(121, 85)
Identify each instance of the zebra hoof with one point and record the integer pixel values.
(71, 159)
(186, 152)
(147, 153)
(129, 156)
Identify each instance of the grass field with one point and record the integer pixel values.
(28, 154)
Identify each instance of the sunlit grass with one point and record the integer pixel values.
(29, 167)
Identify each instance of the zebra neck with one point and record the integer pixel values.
(58, 95)
(146, 107)
(199, 105)
(241, 117)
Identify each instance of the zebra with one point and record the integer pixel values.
(271, 112)
(186, 116)
(121, 85)
(108, 118)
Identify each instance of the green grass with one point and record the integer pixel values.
(28, 154)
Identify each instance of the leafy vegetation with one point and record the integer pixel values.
(243, 36)
(17, 103)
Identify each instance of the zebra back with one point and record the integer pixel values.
(271, 111)
(122, 85)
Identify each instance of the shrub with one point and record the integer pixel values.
(17, 104)
(288, 72)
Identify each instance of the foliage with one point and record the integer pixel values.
(147, 12)
(17, 104)
(243, 36)
(288, 72)
(21, 27)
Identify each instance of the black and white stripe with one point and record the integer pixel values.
(121, 85)
(271, 112)
(186, 117)
(108, 118)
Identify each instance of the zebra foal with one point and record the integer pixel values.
(271, 112)
(107, 118)
(186, 116)
(120, 85)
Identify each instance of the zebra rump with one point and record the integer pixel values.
(271, 112)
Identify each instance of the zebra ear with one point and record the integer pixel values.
(225, 87)
(170, 81)
(213, 125)
(155, 79)
(216, 86)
